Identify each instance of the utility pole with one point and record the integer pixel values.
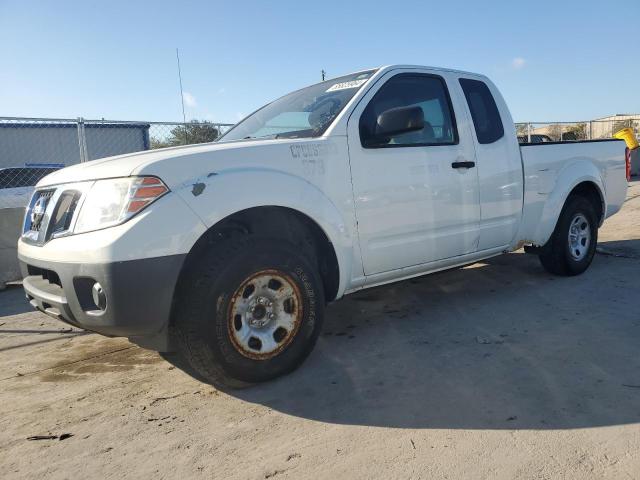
(323, 74)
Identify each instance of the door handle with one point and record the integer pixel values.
(463, 164)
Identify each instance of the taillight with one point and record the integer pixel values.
(627, 162)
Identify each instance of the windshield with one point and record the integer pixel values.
(303, 113)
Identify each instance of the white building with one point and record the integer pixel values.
(605, 127)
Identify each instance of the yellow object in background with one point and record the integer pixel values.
(628, 136)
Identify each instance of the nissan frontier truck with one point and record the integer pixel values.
(228, 252)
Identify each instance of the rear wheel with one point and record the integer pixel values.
(249, 311)
(571, 248)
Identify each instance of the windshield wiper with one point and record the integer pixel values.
(293, 134)
(252, 137)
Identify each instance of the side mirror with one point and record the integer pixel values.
(398, 120)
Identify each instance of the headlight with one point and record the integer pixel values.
(114, 201)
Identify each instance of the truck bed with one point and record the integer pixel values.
(550, 168)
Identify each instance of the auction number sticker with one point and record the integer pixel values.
(346, 85)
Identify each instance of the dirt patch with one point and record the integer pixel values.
(96, 358)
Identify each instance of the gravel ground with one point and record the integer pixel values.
(496, 370)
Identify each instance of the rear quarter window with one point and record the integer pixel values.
(484, 111)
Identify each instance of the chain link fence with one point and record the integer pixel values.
(540, 132)
(32, 147)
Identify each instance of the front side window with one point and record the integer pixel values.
(304, 113)
(484, 111)
(412, 90)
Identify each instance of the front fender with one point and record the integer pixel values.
(225, 192)
(570, 176)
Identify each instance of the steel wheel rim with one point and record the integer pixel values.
(579, 236)
(264, 314)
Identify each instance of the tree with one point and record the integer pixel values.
(522, 129)
(188, 134)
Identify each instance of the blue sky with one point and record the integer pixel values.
(556, 60)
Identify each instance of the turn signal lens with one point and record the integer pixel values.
(137, 205)
(146, 191)
(150, 192)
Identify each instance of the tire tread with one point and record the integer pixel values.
(555, 257)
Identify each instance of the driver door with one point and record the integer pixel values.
(414, 203)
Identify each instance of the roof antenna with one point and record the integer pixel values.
(184, 118)
(323, 74)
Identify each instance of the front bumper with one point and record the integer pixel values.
(138, 295)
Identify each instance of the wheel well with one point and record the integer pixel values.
(276, 222)
(591, 192)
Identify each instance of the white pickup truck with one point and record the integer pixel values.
(228, 252)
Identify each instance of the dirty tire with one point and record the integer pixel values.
(205, 301)
(556, 256)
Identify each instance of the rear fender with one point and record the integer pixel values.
(569, 177)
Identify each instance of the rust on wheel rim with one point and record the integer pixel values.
(264, 315)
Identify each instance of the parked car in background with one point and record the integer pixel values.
(229, 251)
(16, 188)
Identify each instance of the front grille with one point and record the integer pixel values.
(38, 208)
(63, 214)
(51, 213)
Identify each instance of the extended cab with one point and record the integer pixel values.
(229, 251)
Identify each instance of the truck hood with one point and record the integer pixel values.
(166, 163)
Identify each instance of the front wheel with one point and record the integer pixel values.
(249, 311)
(572, 245)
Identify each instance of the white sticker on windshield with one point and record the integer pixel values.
(345, 85)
